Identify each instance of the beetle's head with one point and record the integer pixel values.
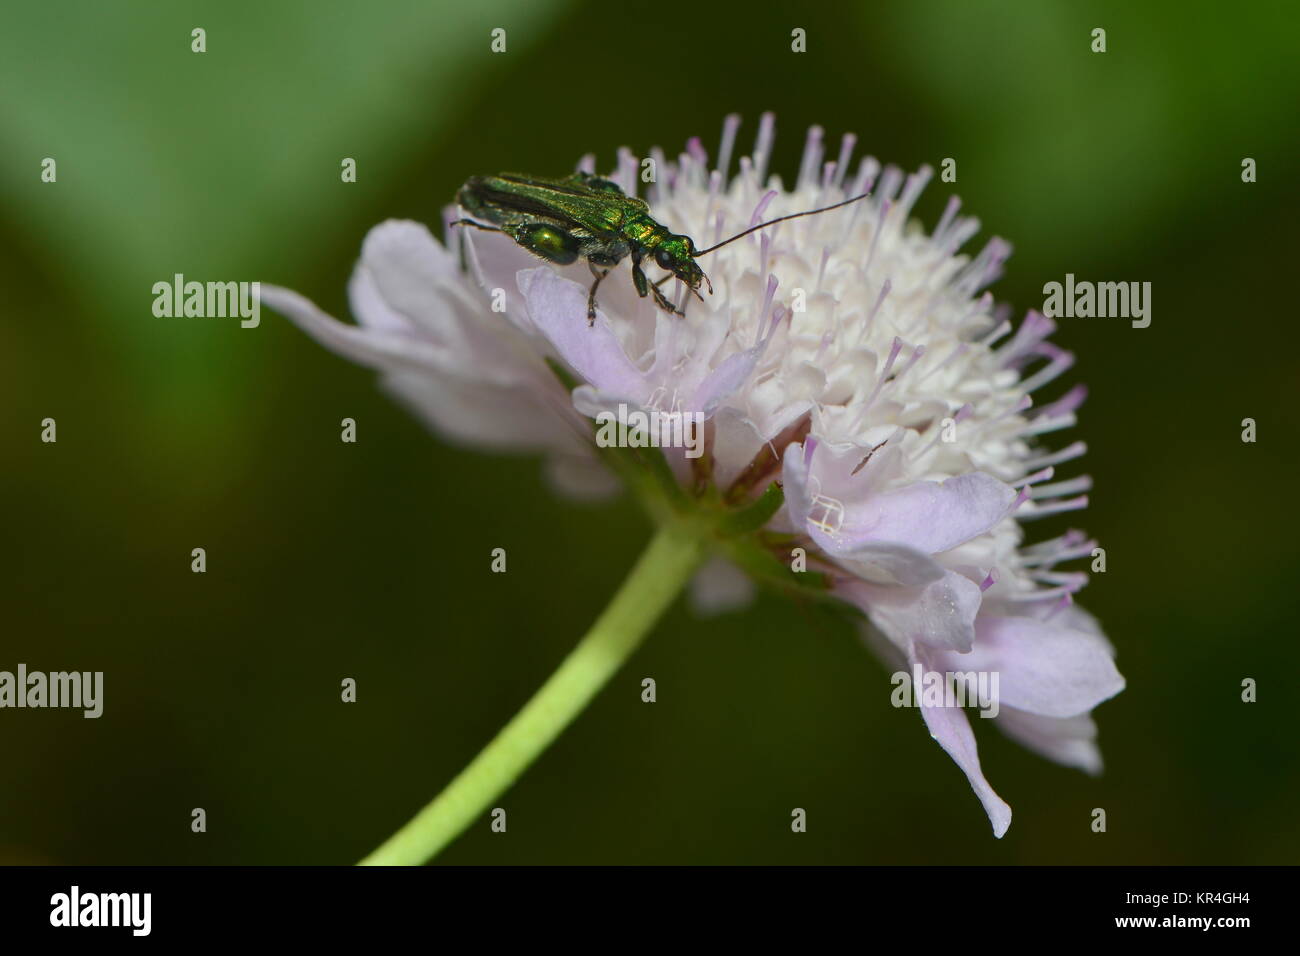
(677, 255)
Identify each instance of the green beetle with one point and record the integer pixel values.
(585, 216)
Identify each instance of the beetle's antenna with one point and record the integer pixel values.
(773, 222)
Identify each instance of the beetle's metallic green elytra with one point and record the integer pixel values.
(584, 216)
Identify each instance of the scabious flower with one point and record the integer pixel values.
(847, 356)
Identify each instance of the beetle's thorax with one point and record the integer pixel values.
(645, 232)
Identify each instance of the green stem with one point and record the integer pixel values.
(659, 575)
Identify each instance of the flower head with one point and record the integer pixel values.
(847, 356)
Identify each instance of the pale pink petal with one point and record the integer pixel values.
(581, 477)
(1067, 740)
(1044, 668)
(951, 730)
(736, 440)
(406, 265)
(925, 516)
(724, 380)
(558, 308)
(719, 586)
(884, 562)
(940, 613)
(795, 480)
(930, 516)
(373, 348)
(484, 416)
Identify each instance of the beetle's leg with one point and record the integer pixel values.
(644, 288)
(476, 225)
(608, 256)
(464, 246)
(664, 303)
(591, 296)
(661, 298)
(639, 279)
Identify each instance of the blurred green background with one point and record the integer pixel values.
(328, 560)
